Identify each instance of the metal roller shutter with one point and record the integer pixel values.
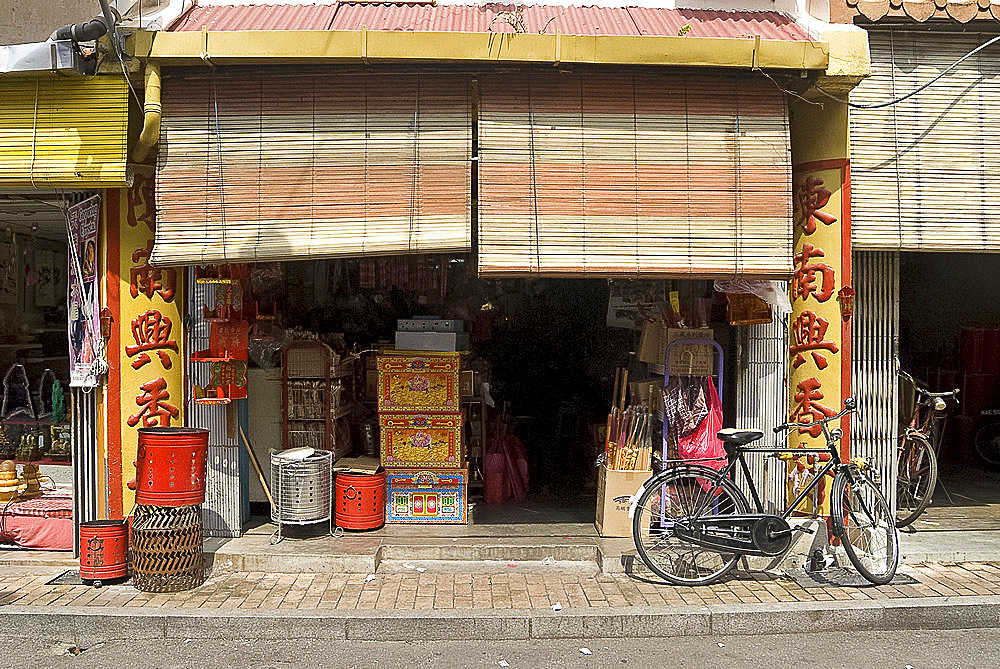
(923, 169)
(646, 175)
(275, 166)
(63, 132)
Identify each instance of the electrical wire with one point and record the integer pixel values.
(945, 71)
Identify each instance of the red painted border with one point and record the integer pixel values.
(847, 279)
(114, 417)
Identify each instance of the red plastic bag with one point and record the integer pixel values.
(702, 444)
(505, 470)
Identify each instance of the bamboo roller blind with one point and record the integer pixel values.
(273, 166)
(620, 175)
(63, 131)
(923, 170)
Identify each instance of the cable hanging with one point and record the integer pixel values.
(948, 69)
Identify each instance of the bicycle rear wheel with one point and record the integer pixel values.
(676, 495)
(863, 522)
(988, 443)
(916, 477)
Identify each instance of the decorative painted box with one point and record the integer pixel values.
(427, 496)
(432, 440)
(418, 383)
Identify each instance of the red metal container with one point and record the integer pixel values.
(972, 350)
(991, 351)
(359, 501)
(170, 466)
(103, 550)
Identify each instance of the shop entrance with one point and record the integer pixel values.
(949, 337)
(36, 472)
(544, 362)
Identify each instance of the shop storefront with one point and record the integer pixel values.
(925, 239)
(63, 144)
(559, 229)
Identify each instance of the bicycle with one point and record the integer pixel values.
(691, 524)
(916, 456)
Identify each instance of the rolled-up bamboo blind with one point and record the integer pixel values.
(622, 175)
(266, 165)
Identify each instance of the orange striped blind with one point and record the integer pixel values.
(622, 175)
(270, 165)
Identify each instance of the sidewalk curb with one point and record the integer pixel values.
(85, 626)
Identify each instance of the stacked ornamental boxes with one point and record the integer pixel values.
(420, 436)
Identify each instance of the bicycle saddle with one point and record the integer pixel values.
(741, 437)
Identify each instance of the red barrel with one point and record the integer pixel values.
(977, 393)
(103, 549)
(359, 503)
(972, 350)
(170, 466)
(991, 351)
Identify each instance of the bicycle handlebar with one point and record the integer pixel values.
(921, 388)
(850, 404)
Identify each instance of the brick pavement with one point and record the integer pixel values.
(505, 591)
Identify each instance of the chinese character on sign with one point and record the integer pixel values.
(809, 331)
(154, 410)
(811, 199)
(146, 279)
(151, 332)
(141, 203)
(807, 406)
(804, 278)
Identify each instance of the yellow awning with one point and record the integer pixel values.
(63, 132)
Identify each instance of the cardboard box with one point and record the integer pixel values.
(614, 495)
(432, 341)
(429, 325)
(685, 359)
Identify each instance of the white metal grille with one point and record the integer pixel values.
(873, 369)
(762, 398)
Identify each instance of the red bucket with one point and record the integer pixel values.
(170, 466)
(360, 501)
(103, 550)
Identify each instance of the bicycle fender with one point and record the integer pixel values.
(634, 500)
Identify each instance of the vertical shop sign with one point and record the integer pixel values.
(147, 338)
(821, 267)
(85, 343)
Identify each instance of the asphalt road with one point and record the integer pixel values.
(884, 650)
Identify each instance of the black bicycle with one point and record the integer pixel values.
(691, 524)
(917, 455)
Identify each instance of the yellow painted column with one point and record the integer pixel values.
(819, 344)
(145, 357)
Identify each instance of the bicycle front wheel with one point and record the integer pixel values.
(863, 522)
(675, 496)
(916, 477)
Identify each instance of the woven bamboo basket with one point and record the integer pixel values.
(165, 548)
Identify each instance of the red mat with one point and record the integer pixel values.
(43, 523)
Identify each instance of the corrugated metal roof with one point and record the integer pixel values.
(256, 17)
(711, 23)
(494, 17)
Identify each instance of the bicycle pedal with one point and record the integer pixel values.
(803, 528)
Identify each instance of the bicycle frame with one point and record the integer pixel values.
(734, 455)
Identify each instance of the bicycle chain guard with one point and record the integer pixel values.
(767, 535)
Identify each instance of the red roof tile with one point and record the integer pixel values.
(494, 17)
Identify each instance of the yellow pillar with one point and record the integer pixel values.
(819, 343)
(145, 356)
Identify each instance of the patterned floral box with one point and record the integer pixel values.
(427, 496)
(432, 440)
(427, 382)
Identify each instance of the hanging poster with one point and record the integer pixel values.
(8, 273)
(84, 323)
